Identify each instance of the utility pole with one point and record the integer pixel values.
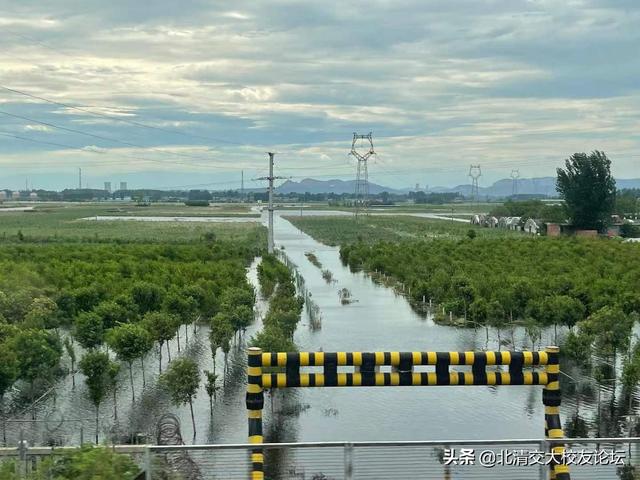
(242, 185)
(362, 175)
(475, 173)
(515, 174)
(79, 178)
(271, 178)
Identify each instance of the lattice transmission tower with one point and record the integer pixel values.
(475, 172)
(515, 175)
(362, 149)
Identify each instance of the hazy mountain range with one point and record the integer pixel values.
(501, 188)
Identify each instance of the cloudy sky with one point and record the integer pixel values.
(170, 94)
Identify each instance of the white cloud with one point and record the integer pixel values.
(503, 82)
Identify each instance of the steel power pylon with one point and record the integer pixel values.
(362, 174)
(270, 178)
(475, 172)
(515, 175)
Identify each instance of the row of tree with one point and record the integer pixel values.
(541, 282)
(285, 307)
(122, 299)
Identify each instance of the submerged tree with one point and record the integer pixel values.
(97, 368)
(71, 351)
(182, 380)
(211, 387)
(130, 342)
(8, 375)
(161, 326)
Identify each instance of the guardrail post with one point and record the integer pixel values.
(255, 403)
(348, 461)
(553, 428)
(148, 474)
(542, 468)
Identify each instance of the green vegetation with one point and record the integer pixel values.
(125, 295)
(333, 230)
(182, 380)
(285, 308)
(86, 463)
(64, 223)
(588, 284)
(313, 259)
(588, 189)
(531, 209)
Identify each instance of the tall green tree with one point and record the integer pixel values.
(182, 380)
(38, 353)
(588, 189)
(97, 368)
(88, 330)
(161, 326)
(130, 342)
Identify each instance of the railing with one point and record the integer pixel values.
(589, 459)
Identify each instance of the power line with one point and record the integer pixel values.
(85, 150)
(119, 119)
(103, 138)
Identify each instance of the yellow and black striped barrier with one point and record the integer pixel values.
(366, 372)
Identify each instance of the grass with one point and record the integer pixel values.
(332, 230)
(63, 222)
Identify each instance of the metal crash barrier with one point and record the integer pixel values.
(366, 366)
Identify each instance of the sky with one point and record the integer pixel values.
(191, 94)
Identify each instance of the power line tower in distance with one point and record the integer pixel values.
(515, 175)
(362, 174)
(475, 172)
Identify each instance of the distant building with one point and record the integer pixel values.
(33, 196)
(107, 187)
(123, 185)
(15, 196)
(554, 230)
(3, 195)
(532, 226)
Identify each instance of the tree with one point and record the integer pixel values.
(130, 342)
(89, 330)
(161, 326)
(147, 296)
(184, 307)
(8, 375)
(220, 335)
(97, 368)
(211, 387)
(182, 380)
(42, 313)
(588, 189)
(68, 346)
(38, 353)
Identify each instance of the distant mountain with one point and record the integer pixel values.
(500, 188)
(338, 187)
(526, 186)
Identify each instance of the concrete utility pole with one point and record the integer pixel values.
(79, 179)
(271, 178)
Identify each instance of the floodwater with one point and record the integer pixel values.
(379, 320)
